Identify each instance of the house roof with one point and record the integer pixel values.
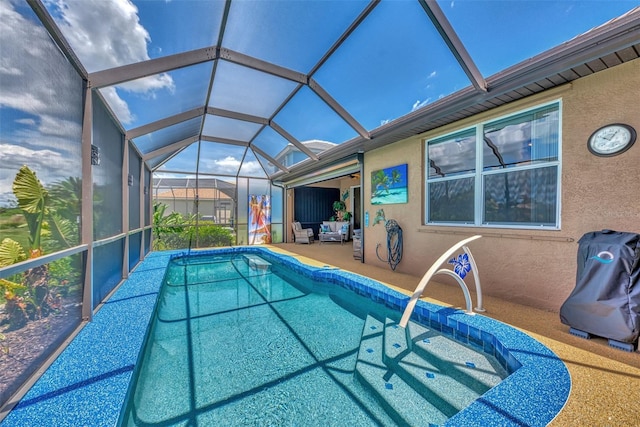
(190, 193)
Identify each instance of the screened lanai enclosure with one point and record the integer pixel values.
(129, 126)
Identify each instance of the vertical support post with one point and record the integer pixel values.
(141, 211)
(152, 191)
(125, 207)
(362, 192)
(86, 217)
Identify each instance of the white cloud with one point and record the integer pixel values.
(104, 34)
(419, 104)
(230, 166)
(26, 73)
(432, 75)
(28, 122)
(227, 165)
(252, 168)
(57, 127)
(50, 166)
(16, 154)
(107, 34)
(118, 105)
(40, 103)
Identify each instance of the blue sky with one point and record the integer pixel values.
(392, 64)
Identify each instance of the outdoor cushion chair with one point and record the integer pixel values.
(301, 235)
(334, 231)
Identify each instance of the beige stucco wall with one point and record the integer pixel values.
(533, 267)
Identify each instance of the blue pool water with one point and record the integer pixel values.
(242, 340)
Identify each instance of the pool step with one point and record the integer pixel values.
(403, 403)
(256, 263)
(417, 384)
(437, 363)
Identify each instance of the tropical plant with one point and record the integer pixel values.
(15, 305)
(214, 235)
(32, 198)
(395, 176)
(339, 205)
(340, 208)
(166, 227)
(173, 231)
(381, 182)
(66, 197)
(65, 205)
(32, 299)
(47, 216)
(11, 252)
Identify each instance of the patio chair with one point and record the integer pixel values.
(334, 231)
(301, 235)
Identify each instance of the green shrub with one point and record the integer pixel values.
(213, 236)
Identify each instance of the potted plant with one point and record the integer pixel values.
(339, 207)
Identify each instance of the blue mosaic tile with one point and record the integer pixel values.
(396, 345)
(470, 364)
(442, 318)
(460, 336)
(512, 363)
(431, 375)
(476, 343)
(475, 333)
(489, 348)
(453, 323)
(388, 386)
(447, 330)
(463, 328)
(370, 350)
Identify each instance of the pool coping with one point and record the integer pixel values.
(88, 382)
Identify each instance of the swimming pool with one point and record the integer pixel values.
(87, 383)
(303, 366)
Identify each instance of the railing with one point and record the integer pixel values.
(433, 270)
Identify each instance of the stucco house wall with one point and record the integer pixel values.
(532, 267)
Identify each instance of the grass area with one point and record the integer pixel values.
(14, 226)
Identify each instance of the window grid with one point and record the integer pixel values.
(480, 174)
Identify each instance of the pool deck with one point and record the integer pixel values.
(605, 381)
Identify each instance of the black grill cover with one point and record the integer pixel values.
(606, 299)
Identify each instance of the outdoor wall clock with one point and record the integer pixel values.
(611, 140)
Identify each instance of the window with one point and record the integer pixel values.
(500, 173)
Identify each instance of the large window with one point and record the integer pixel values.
(500, 173)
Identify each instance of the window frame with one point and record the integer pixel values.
(479, 174)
